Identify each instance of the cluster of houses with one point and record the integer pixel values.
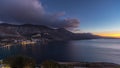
(25, 40)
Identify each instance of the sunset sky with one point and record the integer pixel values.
(101, 17)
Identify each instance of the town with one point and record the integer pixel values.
(34, 39)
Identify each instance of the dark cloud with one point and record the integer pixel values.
(32, 12)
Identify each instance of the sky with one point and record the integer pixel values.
(99, 17)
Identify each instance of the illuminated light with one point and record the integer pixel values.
(27, 42)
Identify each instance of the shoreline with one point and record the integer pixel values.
(74, 64)
(90, 64)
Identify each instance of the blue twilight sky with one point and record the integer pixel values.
(94, 15)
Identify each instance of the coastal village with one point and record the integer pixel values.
(37, 38)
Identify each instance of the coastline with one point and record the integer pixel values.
(90, 64)
(55, 64)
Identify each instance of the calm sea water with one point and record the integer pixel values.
(96, 50)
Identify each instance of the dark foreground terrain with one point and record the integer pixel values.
(28, 62)
(90, 64)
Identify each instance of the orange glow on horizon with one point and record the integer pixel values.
(109, 34)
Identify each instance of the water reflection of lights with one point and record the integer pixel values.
(6, 46)
(27, 42)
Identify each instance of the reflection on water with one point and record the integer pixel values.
(84, 50)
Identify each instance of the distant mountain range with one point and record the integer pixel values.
(29, 30)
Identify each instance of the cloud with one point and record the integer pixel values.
(32, 12)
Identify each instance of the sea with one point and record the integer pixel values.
(95, 50)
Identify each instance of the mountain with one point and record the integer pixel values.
(30, 30)
(86, 36)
